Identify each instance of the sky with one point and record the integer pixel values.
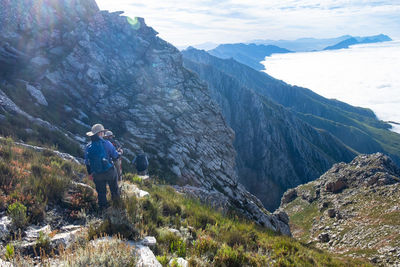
(363, 75)
(192, 22)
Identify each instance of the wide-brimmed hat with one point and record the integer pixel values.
(108, 133)
(97, 128)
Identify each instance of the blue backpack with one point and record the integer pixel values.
(97, 157)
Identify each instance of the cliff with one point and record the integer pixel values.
(70, 65)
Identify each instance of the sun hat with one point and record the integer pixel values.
(108, 133)
(97, 128)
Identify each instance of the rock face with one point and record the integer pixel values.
(352, 209)
(94, 66)
(275, 149)
(356, 127)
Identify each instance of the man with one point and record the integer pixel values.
(141, 162)
(99, 157)
(118, 163)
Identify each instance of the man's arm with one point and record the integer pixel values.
(110, 150)
(87, 160)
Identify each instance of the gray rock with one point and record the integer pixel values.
(289, 196)
(32, 233)
(5, 225)
(5, 263)
(132, 189)
(331, 213)
(324, 237)
(180, 261)
(40, 61)
(149, 241)
(37, 94)
(146, 257)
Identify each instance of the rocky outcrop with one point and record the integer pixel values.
(275, 149)
(352, 209)
(95, 66)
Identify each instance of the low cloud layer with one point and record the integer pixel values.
(193, 22)
(364, 75)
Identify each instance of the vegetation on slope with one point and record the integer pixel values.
(206, 237)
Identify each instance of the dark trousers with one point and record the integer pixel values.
(101, 180)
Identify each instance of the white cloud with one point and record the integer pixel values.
(191, 22)
(364, 75)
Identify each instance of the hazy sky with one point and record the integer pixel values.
(225, 21)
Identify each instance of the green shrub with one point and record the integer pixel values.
(226, 256)
(115, 222)
(206, 246)
(164, 260)
(43, 242)
(9, 254)
(201, 220)
(66, 166)
(178, 247)
(36, 211)
(150, 211)
(6, 175)
(5, 153)
(49, 186)
(37, 170)
(17, 213)
(170, 208)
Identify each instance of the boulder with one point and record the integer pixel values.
(324, 237)
(180, 261)
(336, 186)
(331, 213)
(149, 241)
(289, 196)
(5, 224)
(146, 257)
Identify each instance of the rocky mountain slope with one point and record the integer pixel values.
(275, 149)
(244, 95)
(68, 65)
(352, 209)
(49, 217)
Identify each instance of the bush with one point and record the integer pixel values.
(116, 222)
(43, 242)
(206, 246)
(17, 213)
(164, 260)
(47, 184)
(170, 209)
(178, 247)
(6, 175)
(9, 255)
(109, 252)
(226, 256)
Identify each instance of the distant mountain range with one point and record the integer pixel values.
(304, 44)
(359, 40)
(252, 54)
(248, 54)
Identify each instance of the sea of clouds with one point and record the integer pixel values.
(363, 75)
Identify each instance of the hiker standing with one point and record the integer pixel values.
(99, 157)
(118, 163)
(141, 162)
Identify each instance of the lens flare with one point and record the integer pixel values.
(134, 22)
